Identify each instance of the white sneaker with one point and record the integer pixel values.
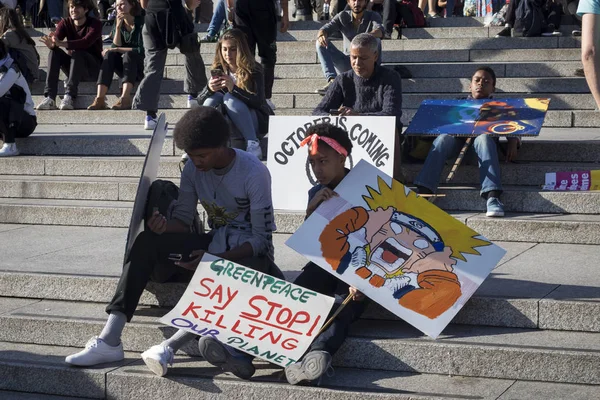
(47, 104)
(9, 150)
(158, 358)
(150, 123)
(66, 103)
(192, 102)
(253, 147)
(270, 103)
(96, 352)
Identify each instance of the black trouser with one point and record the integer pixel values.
(79, 66)
(149, 261)
(128, 66)
(316, 278)
(390, 14)
(258, 20)
(25, 128)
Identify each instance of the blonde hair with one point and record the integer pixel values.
(244, 59)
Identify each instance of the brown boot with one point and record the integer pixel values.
(124, 103)
(98, 104)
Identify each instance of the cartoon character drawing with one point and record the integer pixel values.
(392, 247)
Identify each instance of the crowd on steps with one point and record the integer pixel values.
(236, 98)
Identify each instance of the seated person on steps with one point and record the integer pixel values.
(125, 56)
(19, 44)
(17, 116)
(234, 188)
(81, 35)
(357, 20)
(483, 85)
(367, 89)
(328, 146)
(237, 85)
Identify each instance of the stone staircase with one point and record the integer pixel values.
(532, 330)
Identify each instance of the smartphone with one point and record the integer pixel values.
(334, 112)
(215, 73)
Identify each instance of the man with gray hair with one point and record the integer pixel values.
(356, 20)
(367, 89)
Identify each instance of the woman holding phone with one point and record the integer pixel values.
(237, 83)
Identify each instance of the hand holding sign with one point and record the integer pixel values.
(253, 312)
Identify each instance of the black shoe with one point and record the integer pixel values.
(506, 32)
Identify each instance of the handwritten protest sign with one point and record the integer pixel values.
(576, 180)
(372, 139)
(254, 312)
(397, 248)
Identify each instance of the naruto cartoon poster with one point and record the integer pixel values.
(397, 248)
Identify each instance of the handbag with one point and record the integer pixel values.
(180, 36)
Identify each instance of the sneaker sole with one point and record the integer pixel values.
(92, 364)
(154, 365)
(494, 214)
(309, 369)
(216, 354)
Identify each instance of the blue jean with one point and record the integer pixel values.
(217, 19)
(55, 8)
(332, 59)
(242, 117)
(449, 8)
(445, 147)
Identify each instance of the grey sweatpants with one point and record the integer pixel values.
(148, 93)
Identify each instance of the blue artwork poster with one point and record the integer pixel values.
(496, 117)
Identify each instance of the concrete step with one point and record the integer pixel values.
(568, 145)
(527, 354)
(520, 174)
(526, 290)
(10, 395)
(40, 369)
(525, 227)
(560, 101)
(416, 70)
(554, 118)
(457, 198)
(420, 85)
(411, 56)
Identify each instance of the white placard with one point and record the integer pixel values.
(292, 177)
(261, 315)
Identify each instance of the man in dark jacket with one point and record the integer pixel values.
(81, 36)
(368, 89)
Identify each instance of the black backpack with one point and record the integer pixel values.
(21, 61)
(162, 197)
(16, 97)
(529, 18)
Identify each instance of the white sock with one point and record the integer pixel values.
(111, 334)
(180, 338)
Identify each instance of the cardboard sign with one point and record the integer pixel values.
(397, 248)
(577, 180)
(149, 172)
(496, 117)
(253, 312)
(372, 139)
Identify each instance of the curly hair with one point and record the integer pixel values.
(333, 132)
(201, 127)
(244, 59)
(489, 70)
